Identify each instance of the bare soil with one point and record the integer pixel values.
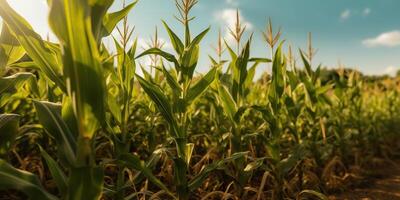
(384, 184)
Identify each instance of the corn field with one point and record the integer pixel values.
(78, 121)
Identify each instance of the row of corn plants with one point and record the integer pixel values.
(78, 122)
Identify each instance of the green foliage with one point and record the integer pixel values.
(106, 132)
(9, 125)
(12, 178)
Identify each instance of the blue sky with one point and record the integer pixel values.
(362, 34)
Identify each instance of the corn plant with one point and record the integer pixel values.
(75, 123)
(77, 114)
(232, 93)
(184, 92)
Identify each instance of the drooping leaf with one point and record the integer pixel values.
(50, 117)
(23, 181)
(260, 60)
(161, 53)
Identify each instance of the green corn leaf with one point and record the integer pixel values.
(146, 74)
(207, 170)
(132, 50)
(156, 51)
(231, 52)
(227, 101)
(10, 49)
(150, 163)
(307, 65)
(24, 65)
(317, 74)
(198, 180)
(201, 86)
(161, 101)
(278, 75)
(189, 152)
(28, 183)
(85, 183)
(214, 63)
(111, 20)
(176, 42)
(115, 109)
(172, 82)
(15, 81)
(196, 41)
(240, 71)
(189, 60)
(35, 47)
(50, 117)
(260, 60)
(250, 76)
(293, 79)
(99, 12)
(58, 175)
(9, 125)
(134, 162)
(126, 69)
(70, 20)
(239, 114)
(69, 117)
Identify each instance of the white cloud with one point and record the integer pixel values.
(345, 14)
(366, 11)
(388, 39)
(391, 70)
(228, 19)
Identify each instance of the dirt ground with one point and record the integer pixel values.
(383, 185)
